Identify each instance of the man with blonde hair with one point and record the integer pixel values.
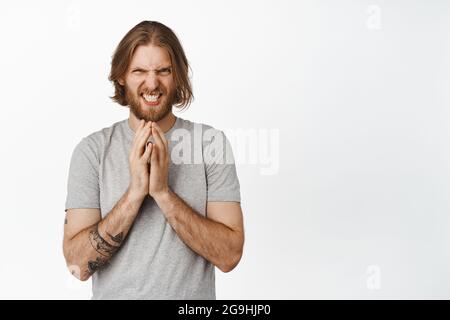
(149, 215)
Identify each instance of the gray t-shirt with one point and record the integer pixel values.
(153, 262)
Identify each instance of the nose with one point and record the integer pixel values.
(151, 81)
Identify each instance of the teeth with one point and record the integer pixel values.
(151, 97)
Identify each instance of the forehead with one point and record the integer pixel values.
(150, 56)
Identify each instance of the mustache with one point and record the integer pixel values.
(149, 92)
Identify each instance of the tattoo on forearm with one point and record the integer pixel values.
(117, 238)
(103, 247)
(100, 244)
(65, 221)
(93, 266)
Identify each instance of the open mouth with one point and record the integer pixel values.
(151, 99)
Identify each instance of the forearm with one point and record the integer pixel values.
(213, 240)
(93, 247)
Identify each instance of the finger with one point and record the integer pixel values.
(136, 136)
(143, 131)
(161, 134)
(139, 128)
(142, 140)
(154, 156)
(159, 144)
(148, 152)
(158, 138)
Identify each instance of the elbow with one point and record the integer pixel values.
(74, 264)
(234, 257)
(226, 268)
(79, 273)
(230, 263)
(84, 278)
(75, 269)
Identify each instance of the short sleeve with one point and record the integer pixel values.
(221, 176)
(83, 182)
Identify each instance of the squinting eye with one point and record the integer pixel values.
(165, 72)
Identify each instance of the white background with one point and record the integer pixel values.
(357, 89)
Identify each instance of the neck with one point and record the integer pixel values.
(165, 123)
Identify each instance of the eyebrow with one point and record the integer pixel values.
(164, 68)
(158, 69)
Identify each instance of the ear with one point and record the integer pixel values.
(121, 82)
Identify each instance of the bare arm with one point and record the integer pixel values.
(90, 242)
(88, 250)
(219, 238)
